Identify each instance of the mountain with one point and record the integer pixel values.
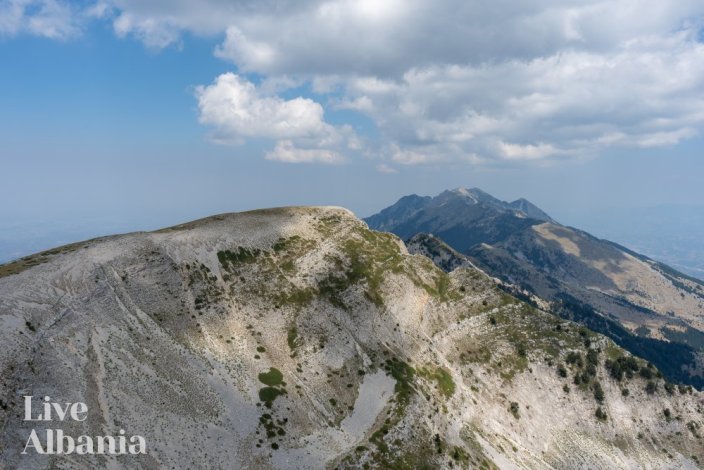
(298, 338)
(439, 252)
(646, 306)
(462, 218)
(530, 210)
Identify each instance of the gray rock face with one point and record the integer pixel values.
(298, 338)
(441, 254)
(648, 307)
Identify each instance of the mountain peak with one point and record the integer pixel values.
(477, 196)
(447, 213)
(474, 193)
(530, 209)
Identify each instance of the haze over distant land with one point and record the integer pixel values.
(672, 234)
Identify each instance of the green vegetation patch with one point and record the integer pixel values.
(16, 267)
(269, 394)
(295, 297)
(445, 384)
(292, 338)
(274, 428)
(230, 259)
(622, 366)
(369, 257)
(272, 378)
(404, 375)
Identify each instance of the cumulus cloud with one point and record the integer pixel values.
(647, 92)
(470, 80)
(388, 37)
(46, 18)
(450, 80)
(236, 111)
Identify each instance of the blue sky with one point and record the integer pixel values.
(122, 115)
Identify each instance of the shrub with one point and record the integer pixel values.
(593, 357)
(622, 366)
(514, 410)
(574, 358)
(651, 387)
(598, 392)
(562, 372)
(600, 414)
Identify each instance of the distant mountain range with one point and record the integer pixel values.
(645, 306)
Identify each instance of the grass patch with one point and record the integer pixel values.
(404, 375)
(442, 377)
(292, 338)
(272, 378)
(17, 266)
(296, 297)
(269, 394)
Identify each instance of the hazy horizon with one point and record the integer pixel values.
(667, 233)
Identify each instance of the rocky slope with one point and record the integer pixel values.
(298, 338)
(648, 307)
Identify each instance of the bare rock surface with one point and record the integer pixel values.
(298, 338)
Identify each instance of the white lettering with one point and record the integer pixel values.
(34, 441)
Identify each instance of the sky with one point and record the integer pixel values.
(125, 115)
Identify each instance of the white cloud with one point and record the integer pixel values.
(236, 110)
(11, 17)
(647, 92)
(154, 34)
(449, 80)
(286, 151)
(526, 152)
(52, 19)
(391, 37)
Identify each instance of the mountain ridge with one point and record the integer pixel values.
(559, 263)
(299, 338)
